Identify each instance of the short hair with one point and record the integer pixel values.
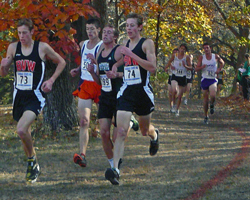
(115, 31)
(176, 49)
(26, 22)
(247, 55)
(205, 43)
(136, 16)
(184, 45)
(94, 21)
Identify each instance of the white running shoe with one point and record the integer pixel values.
(185, 101)
(177, 113)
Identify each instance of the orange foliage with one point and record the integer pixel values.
(52, 21)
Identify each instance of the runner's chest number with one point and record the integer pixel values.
(24, 80)
(106, 83)
(132, 75)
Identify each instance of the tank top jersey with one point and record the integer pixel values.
(109, 86)
(211, 67)
(85, 75)
(134, 74)
(180, 70)
(28, 70)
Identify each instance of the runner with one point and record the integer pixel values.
(136, 93)
(190, 77)
(178, 82)
(111, 83)
(208, 64)
(170, 95)
(246, 78)
(88, 90)
(29, 58)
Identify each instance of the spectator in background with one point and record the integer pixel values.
(246, 78)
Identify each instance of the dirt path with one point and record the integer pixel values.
(195, 161)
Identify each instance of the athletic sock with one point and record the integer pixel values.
(111, 162)
(130, 124)
(117, 170)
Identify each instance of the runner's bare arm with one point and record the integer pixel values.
(6, 62)
(199, 65)
(169, 63)
(48, 52)
(220, 61)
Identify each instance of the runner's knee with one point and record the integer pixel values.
(122, 133)
(84, 122)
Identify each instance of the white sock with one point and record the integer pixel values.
(130, 124)
(155, 138)
(111, 162)
(118, 171)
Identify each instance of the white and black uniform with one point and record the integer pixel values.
(180, 72)
(136, 93)
(28, 78)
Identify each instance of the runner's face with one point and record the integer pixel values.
(207, 49)
(132, 28)
(24, 34)
(182, 49)
(108, 35)
(92, 31)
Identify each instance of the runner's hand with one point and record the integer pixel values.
(47, 86)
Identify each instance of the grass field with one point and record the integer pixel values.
(195, 161)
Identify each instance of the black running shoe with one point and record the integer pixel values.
(154, 144)
(212, 109)
(33, 171)
(80, 160)
(112, 175)
(135, 126)
(206, 120)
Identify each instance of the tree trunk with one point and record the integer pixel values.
(60, 109)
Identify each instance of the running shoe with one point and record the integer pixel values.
(177, 113)
(211, 109)
(206, 120)
(33, 171)
(112, 175)
(154, 144)
(135, 126)
(80, 160)
(185, 101)
(172, 110)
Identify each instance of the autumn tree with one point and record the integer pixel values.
(231, 31)
(52, 20)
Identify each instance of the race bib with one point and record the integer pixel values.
(189, 74)
(85, 64)
(24, 80)
(106, 83)
(132, 75)
(211, 73)
(179, 72)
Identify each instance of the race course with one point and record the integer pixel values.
(195, 161)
